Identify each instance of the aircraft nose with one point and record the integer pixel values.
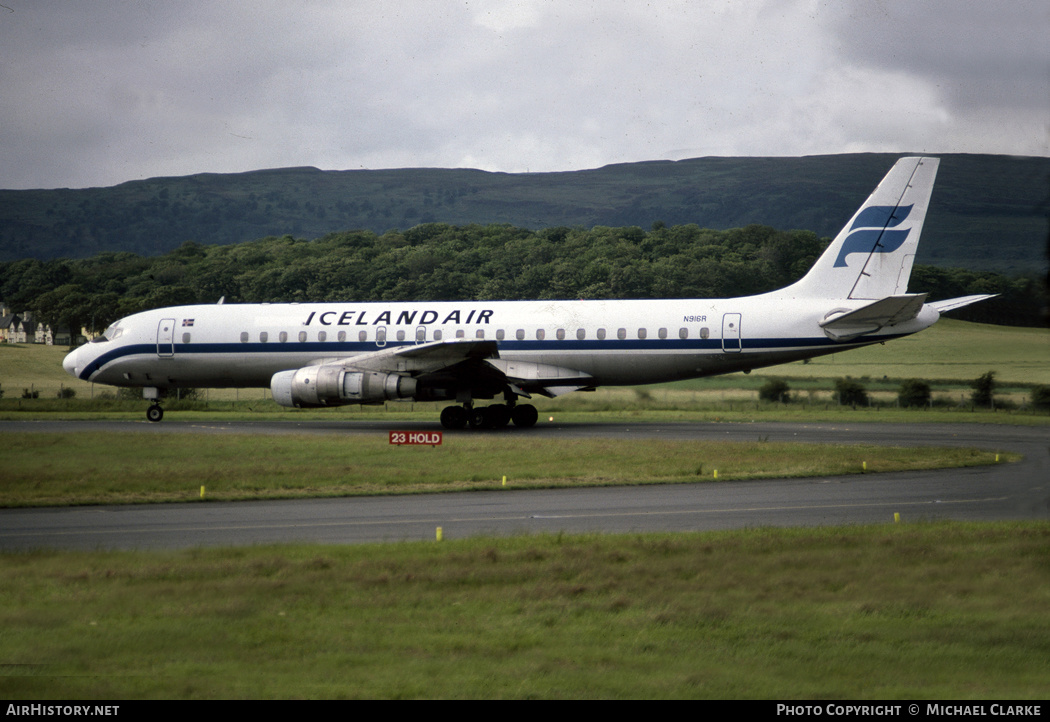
(70, 362)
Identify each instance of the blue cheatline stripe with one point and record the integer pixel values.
(549, 346)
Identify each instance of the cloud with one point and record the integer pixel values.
(102, 92)
(980, 54)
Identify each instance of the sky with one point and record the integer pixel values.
(101, 92)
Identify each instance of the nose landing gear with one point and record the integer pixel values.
(155, 412)
(153, 394)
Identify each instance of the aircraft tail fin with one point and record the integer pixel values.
(872, 256)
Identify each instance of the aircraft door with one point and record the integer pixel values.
(731, 333)
(381, 336)
(166, 338)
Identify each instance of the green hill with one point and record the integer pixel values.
(988, 212)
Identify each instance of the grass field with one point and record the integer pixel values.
(924, 611)
(103, 468)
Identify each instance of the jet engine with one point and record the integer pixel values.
(333, 385)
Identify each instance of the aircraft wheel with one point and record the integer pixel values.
(453, 417)
(155, 413)
(479, 418)
(499, 416)
(524, 415)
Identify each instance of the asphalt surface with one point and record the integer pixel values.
(1005, 491)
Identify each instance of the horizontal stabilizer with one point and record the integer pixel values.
(953, 303)
(843, 325)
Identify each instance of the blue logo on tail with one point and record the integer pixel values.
(875, 238)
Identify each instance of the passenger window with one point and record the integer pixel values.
(705, 332)
(264, 337)
(520, 334)
(621, 333)
(283, 336)
(581, 334)
(459, 333)
(244, 337)
(302, 337)
(642, 333)
(560, 334)
(362, 336)
(322, 336)
(662, 333)
(683, 333)
(480, 333)
(540, 334)
(185, 338)
(601, 334)
(437, 334)
(400, 335)
(500, 335)
(341, 338)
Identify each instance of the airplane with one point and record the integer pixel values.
(314, 355)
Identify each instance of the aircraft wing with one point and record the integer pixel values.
(468, 358)
(420, 358)
(889, 311)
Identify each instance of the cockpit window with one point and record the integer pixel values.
(110, 334)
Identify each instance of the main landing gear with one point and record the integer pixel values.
(496, 416)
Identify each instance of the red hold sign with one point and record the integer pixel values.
(415, 438)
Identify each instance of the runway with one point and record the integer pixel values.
(1001, 492)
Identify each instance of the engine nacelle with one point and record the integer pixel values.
(332, 385)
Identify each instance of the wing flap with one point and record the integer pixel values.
(536, 375)
(554, 391)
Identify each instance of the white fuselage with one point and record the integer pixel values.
(615, 342)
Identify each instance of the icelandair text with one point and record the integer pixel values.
(403, 318)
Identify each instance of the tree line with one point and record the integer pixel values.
(441, 262)
(912, 393)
